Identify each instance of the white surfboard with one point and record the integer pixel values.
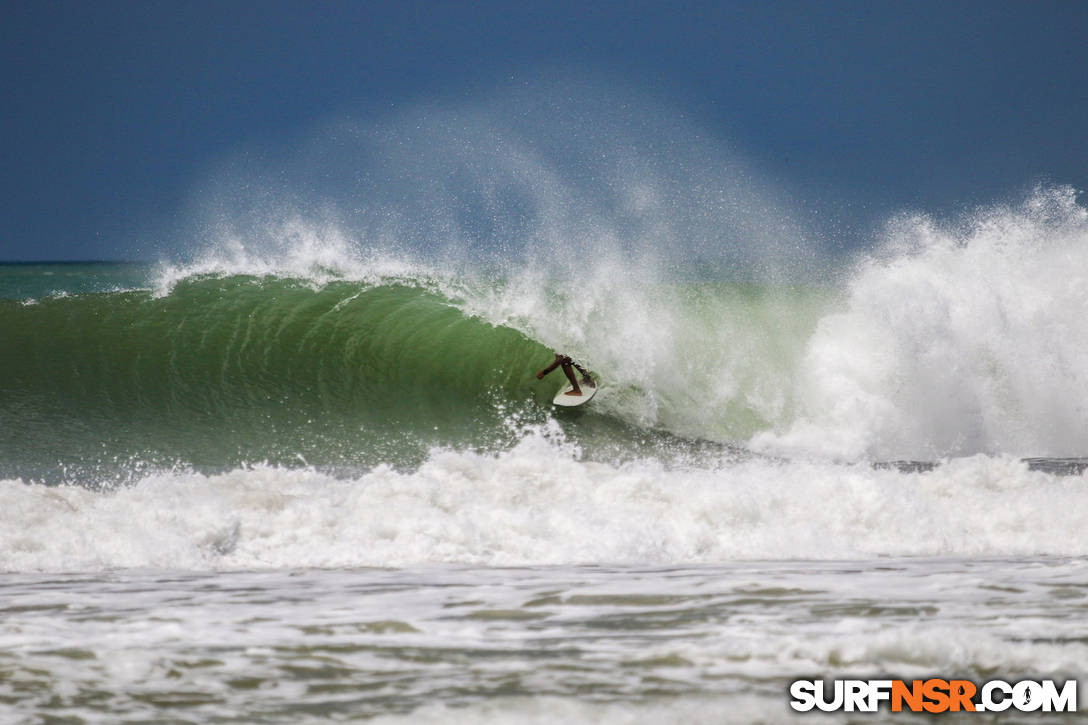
(573, 401)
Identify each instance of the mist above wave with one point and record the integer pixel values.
(574, 212)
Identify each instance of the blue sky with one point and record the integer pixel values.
(115, 111)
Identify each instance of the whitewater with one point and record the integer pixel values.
(307, 474)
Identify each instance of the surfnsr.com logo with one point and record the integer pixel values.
(933, 695)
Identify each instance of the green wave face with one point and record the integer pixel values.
(230, 370)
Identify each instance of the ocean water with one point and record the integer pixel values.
(304, 481)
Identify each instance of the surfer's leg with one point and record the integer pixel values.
(586, 380)
(569, 372)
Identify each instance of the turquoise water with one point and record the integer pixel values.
(224, 370)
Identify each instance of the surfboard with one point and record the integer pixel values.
(573, 401)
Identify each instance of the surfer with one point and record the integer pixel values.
(566, 363)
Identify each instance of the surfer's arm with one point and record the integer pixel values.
(545, 371)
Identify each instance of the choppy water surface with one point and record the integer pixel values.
(587, 644)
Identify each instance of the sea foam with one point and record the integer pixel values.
(955, 339)
(540, 503)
